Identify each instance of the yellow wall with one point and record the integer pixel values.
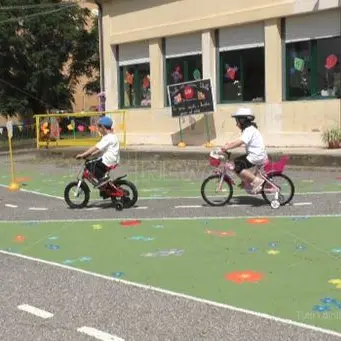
(283, 123)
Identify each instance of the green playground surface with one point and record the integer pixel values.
(149, 185)
(286, 267)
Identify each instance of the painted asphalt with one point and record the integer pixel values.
(127, 312)
(27, 206)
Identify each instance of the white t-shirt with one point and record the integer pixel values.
(254, 145)
(110, 147)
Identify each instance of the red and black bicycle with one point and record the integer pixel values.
(123, 193)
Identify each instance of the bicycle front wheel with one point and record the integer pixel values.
(285, 185)
(210, 188)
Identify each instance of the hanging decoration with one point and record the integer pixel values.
(331, 61)
(298, 64)
(196, 74)
(80, 128)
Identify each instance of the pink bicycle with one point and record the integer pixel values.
(222, 181)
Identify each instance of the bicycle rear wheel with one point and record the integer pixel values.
(287, 186)
(225, 193)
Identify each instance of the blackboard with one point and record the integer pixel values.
(191, 98)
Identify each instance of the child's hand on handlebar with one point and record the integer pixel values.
(79, 156)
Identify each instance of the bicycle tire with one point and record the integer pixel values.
(206, 181)
(86, 191)
(291, 185)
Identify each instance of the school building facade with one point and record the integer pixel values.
(281, 58)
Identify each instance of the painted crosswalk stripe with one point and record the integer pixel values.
(10, 205)
(302, 203)
(99, 335)
(38, 209)
(35, 311)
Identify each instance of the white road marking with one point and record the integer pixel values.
(205, 218)
(188, 206)
(239, 205)
(38, 209)
(302, 203)
(97, 334)
(35, 311)
(10, 205)
(169, 197)
(92, 208)
(141, 208)
(174, 294)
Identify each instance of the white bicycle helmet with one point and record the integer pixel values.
(244, 113)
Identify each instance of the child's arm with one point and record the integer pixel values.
(233, 144)
(91, 151)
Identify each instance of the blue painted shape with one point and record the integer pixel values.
(158, 226)
(68, 262)
(336, 250)
(273, 244)
(10, 249)
(145, 239)
(321, 308)
(328, 300)
(85, 259)
(252, 249)
(300, 247)
(117, 274)
(299, 218)
(52, 247)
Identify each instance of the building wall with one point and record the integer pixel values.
(283, 122)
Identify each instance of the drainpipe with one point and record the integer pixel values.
(101, 60)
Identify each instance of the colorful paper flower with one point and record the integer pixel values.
(244, 276)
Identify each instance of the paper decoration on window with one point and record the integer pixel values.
(331, 61)
(45, 131)
(70, 127)
(80, 128)
(1, 131)
(196, 74)
(298, 64)
(231, 73)
(20, 128)
(92, 128)
(45, 125)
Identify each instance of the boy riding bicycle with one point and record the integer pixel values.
(110, 147)
(254, 146)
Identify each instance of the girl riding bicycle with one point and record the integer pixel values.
(254, 147)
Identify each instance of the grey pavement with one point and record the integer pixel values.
(26, 206)
(129, 312)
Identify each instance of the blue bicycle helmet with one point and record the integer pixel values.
(106, 122)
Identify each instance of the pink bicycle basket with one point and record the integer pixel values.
(214, 162)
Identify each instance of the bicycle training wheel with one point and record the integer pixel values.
(210, 185)
(286, 189)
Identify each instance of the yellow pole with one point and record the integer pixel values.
(13, 185)
(37, 131)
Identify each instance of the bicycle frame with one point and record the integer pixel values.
(226, 173)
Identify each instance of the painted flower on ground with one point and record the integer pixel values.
(300, 247)
(258, 221)
(244, 276)
(336, 282)
(128, 223)
(328, 300)
(221, 233)
(337, 251)
(252, 249)
(272, 252)
(321, 308)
